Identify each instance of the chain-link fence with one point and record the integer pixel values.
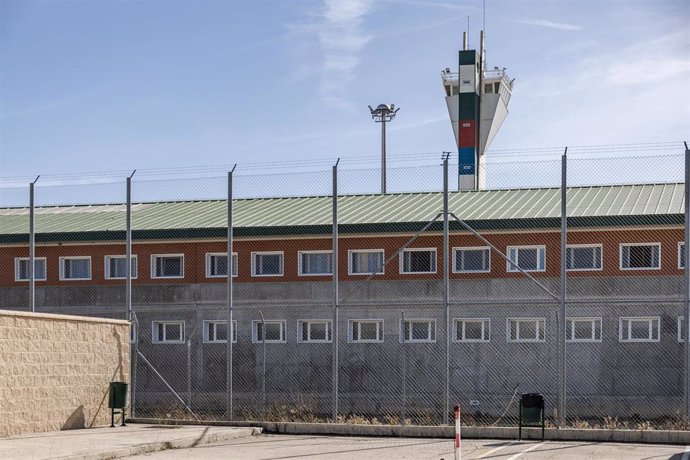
(351, 305)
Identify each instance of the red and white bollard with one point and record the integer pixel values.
(458, 454)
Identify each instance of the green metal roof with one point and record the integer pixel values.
(619, 205)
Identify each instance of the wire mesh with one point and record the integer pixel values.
(390, 342)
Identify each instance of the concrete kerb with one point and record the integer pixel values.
(469, 432)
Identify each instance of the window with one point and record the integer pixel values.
(639, 329)
(75, 268)
(217, 331)
(21, 269)
(468, 260)
(419, 330)
(315, 263)
(116, 267)
(583, 257)
(366, 330)
(316, 331)
(132, 332)
(267, 264)
(275, 331)
(168, 332)
(418, 260)
(472, 329)
(167, 266)
(217, 265)
(583, 329)
(681, 320)
(640, 256)
(681, 255)
(525, 329)
(528, 258)
(366, 262)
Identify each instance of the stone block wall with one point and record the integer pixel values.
(55, 370)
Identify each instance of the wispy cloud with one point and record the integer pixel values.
(342, 38)
(550, 24)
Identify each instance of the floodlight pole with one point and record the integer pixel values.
(382, 114)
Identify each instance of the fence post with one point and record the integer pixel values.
(458, 426)
(686, 279)
(403, 411)
(334, 269)
(446, 288)
(263, 363)
(32, 247)
(564, 285)
(230, 328)
(128, 289)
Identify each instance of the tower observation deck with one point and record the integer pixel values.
(477, 100)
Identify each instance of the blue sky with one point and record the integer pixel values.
(121, 85)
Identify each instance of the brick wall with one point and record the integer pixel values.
(55, 370)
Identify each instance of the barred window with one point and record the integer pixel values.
(583, 257)
(472, 329)
(640, 256)
(168, 332)
(468, 260)
(315, 263)
(639, 329)
(528, 258)
(267, 264)
(116, 267)
(274, 333)
(217, 265)
(583, 329)
(366, 330)
(418, 260)
(419, 330)
(75, 268)
(21, 269)
(216, 331)
(366, 262)
(167, 266)
(525, 329)
(313, 331)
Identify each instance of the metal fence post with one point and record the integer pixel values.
(32, 247)
(403, 411)
(446, 287)
(564, 284)
(128, 289)
(230, 328)
(334, 269)
(263, 363)
(686, 279)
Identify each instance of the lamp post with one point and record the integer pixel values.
(383, 114)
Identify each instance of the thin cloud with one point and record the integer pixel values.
(551, 24)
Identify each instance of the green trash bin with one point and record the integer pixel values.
(117, 400)
(531, 412)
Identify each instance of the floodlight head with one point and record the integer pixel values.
(383, 112)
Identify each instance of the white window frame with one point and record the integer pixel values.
(300, 271)
(650, 319)
(158, 340)
(522, 320)
(581, 246)
(680, 328)
(234, 268)
(207, 338)
(268, 253)
(19, 260)
(62, 268)
(106, 267)
(471, 248)
(309, 322)
(401, 256)
(593, 319)
(620, 256)
(370, 251)
(379, 330)
(510, 268)
(153, 266)
(255, 330)
(681, 247)
(459, 325)
(431, 331)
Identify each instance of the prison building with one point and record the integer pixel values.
(625, 289)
